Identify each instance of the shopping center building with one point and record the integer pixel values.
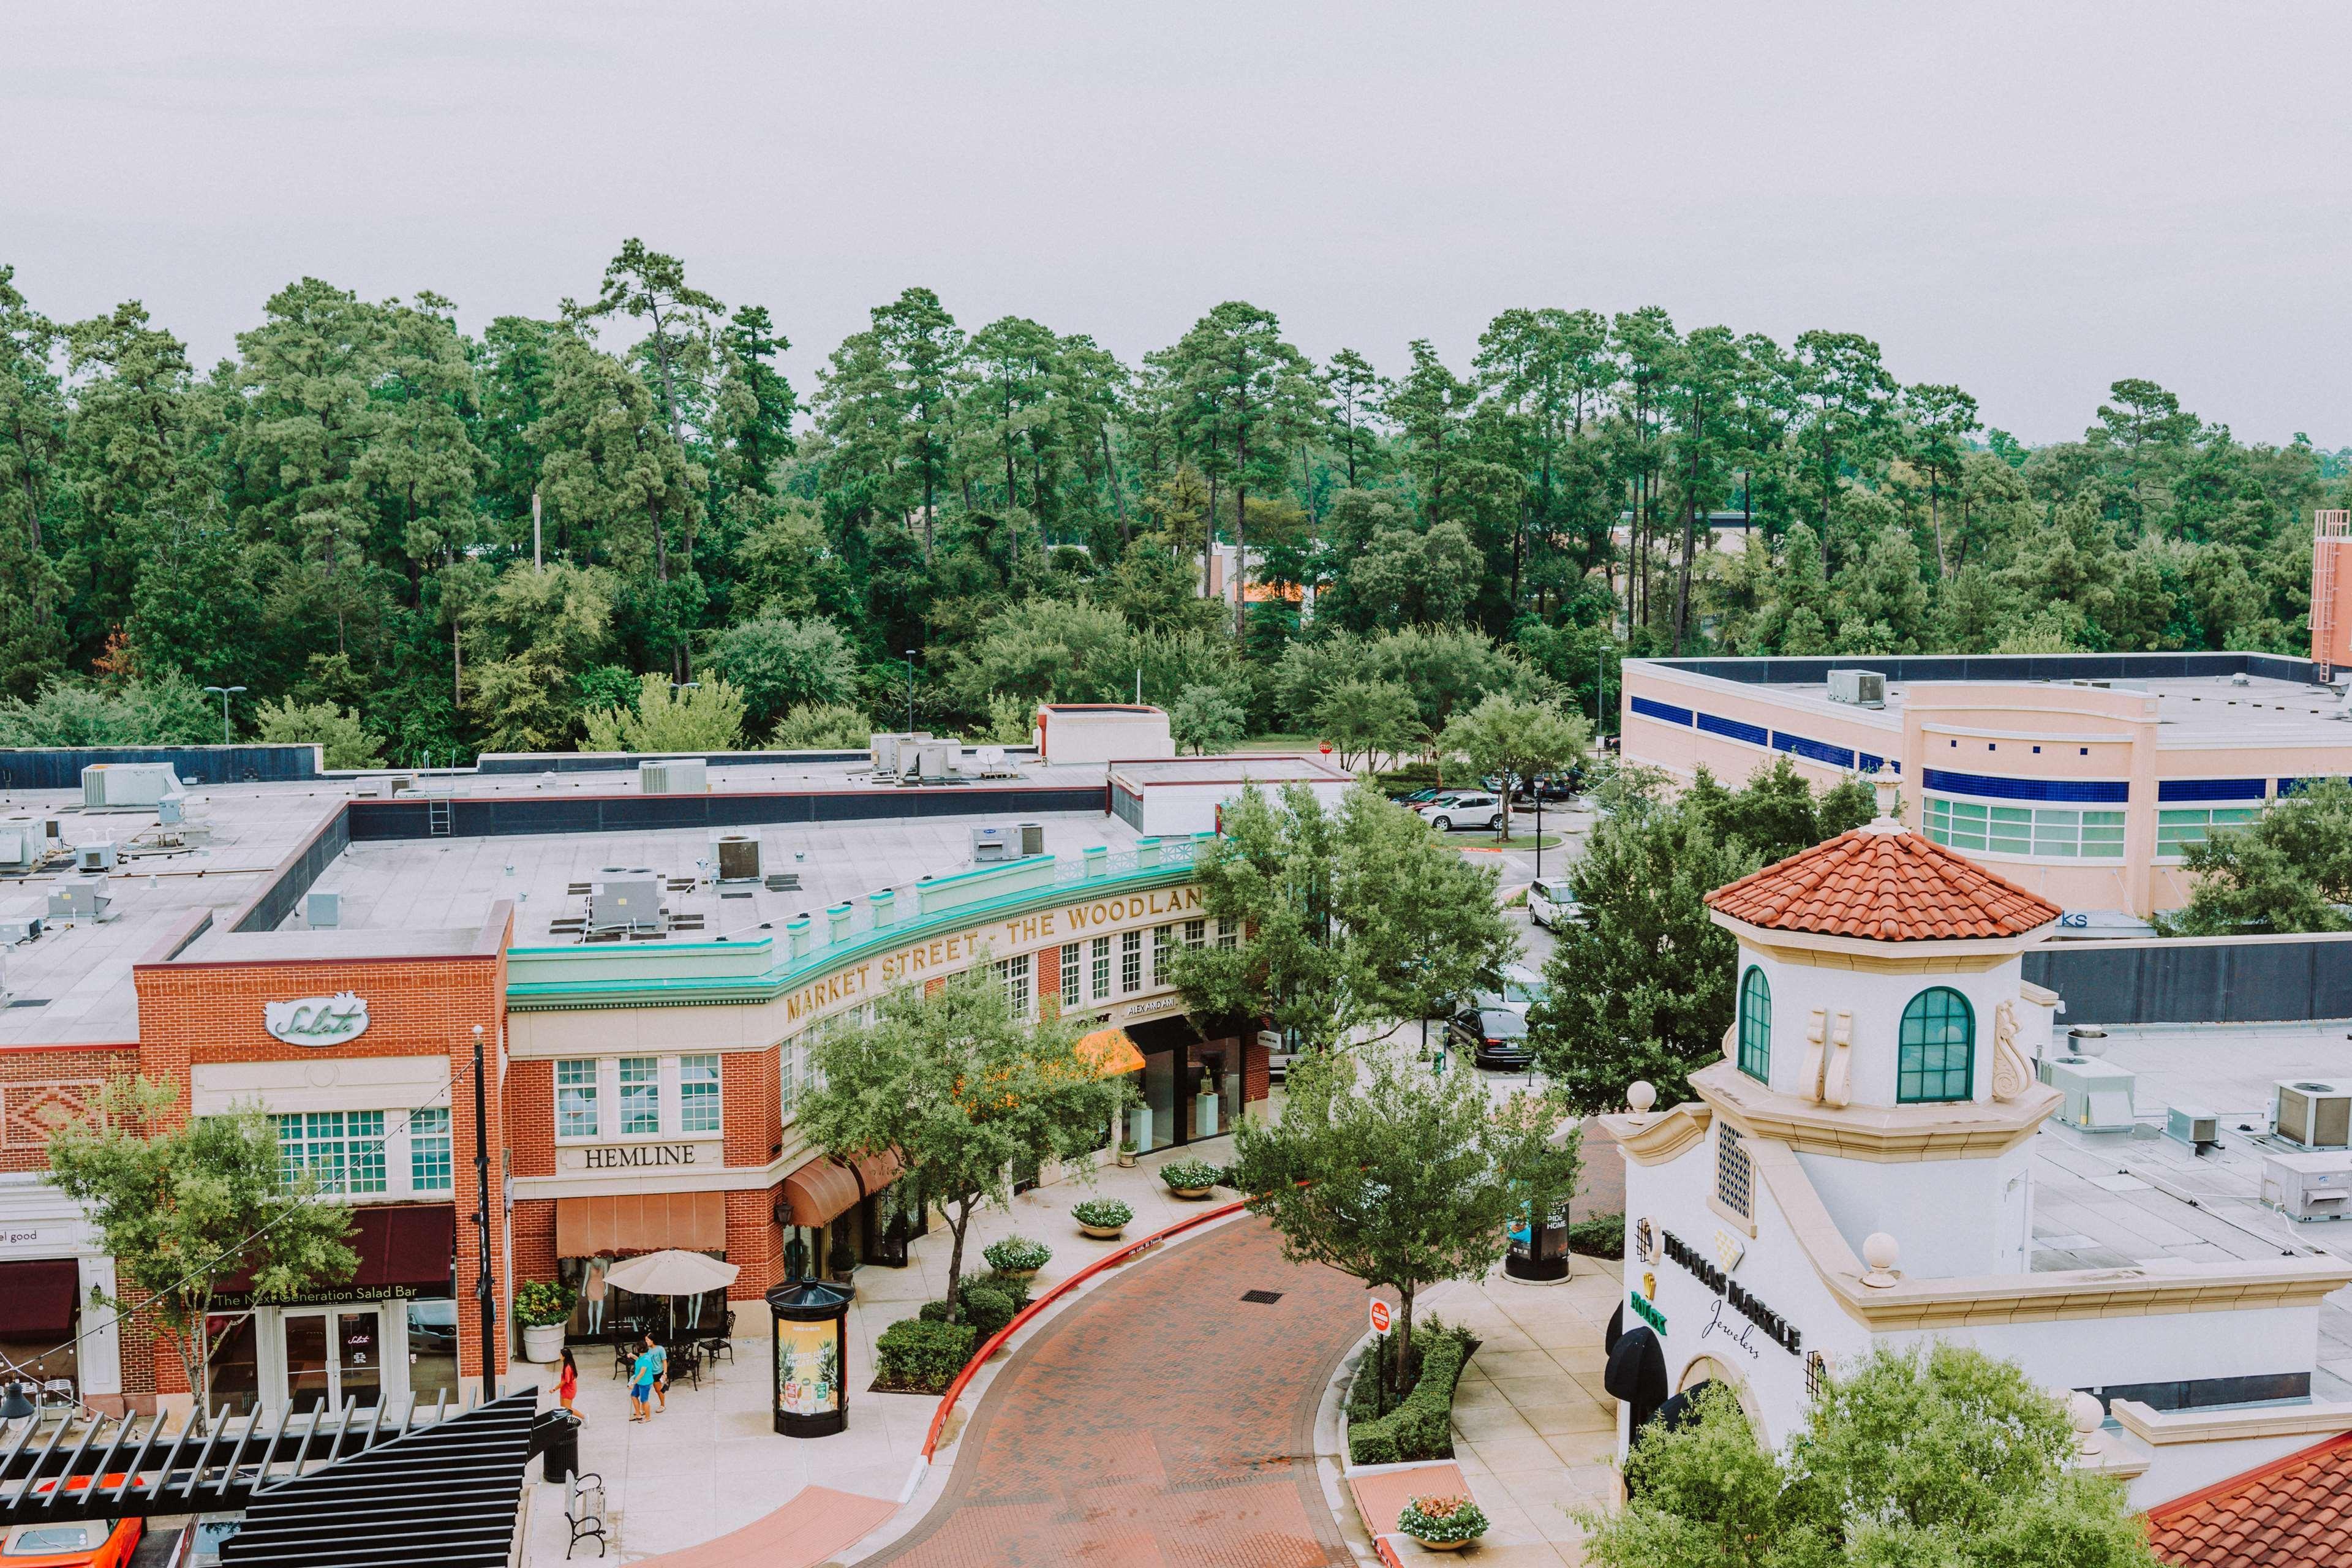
(643, 971)
(2082, 777)
(1900, 1146)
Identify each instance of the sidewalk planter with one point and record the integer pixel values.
(1102, 1219)
(543, 1343)
(1442, 1524)
(1017, 1256)
(1189, 1179)
(543, 1306)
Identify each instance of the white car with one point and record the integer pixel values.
(1463, 808)
(1552, 904)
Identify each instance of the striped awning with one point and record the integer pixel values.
(1110, 1052)
(640, 1221)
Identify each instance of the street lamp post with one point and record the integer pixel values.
(911, 691)
(223, 691)
(483, 1289)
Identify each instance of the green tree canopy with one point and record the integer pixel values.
(1518, 739)
(2290, 869)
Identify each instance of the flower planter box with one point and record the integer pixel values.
(1437, 1545)
(1104, 1232)
(1191, 1194)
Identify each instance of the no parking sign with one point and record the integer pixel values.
(1380, 1316)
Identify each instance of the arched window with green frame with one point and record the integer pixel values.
(1937, 1055)
(1756, 1025)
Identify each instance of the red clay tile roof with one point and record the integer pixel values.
(2295, 1510)
(1892, 887)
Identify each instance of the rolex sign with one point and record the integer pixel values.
(317, 1020)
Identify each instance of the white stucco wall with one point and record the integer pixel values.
(1876, 1000)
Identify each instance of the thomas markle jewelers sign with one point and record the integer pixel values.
(317, 1020)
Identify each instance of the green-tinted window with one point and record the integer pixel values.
(2176, 830)
(1756, 1025)
(2042, 832)
(1938, 1050)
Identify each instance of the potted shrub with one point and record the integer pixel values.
(1018, 1256)
(1190, 1178)
(1442, 1523)
(1126, 1151)
(841, 1262)
(1102, 1219)
(543, 1306)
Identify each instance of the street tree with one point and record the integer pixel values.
(1423, 926)
(184, 1204)
(2290, 869)
(1271, 872)
(962, 1090)
(1363, 719)
(1401, 1177)
(1521, 739)
(1926, 1454)
(1203, 719)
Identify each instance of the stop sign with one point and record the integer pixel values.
(1326, 748)
(1380, 1316)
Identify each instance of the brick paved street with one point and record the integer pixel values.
(1162, 1420)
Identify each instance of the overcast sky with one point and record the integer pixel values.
(2031, 201)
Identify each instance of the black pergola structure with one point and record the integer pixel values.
(354, 1488)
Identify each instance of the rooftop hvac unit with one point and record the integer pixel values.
(993, 844)
(324, 911)
(2193, 1125)
(172, 810)
(96, 857)
(738, 856)
(1033, 838)
(20, 847)
(2098, 1094)
(19, 929)
(930, 760)
(678, 775)
(2308, 1186)
(629, 903)
(79, 900)
(888, 749)
(127, 784)
(1858, 688)
(2315, 1115)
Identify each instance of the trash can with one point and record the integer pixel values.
(556, 1436)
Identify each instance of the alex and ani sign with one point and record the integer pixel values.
(317, 1020)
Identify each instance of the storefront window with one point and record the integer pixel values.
(2176, 830)
(428, 1150)
(1070, 975)
(2051, 833)
(432, 1351)
(233, 1358)
(640, 1094)
(575, 1099)
(1130, 961)
(1937, 1057)
(343, 1149)
(1100, 957)
(1015, 974)
(1229, 932)
(788, 1063)
(698, 1094)
(1163, 948)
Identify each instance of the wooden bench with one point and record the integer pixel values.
(583, 1510)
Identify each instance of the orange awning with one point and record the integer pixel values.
(820, 1190)
(640, 1221)
(1110, 1052)
(876, 1172)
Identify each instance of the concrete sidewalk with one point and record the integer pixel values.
(712, 1463)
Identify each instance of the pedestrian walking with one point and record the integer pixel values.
(661, 1370)
(641, 1383)
(567, 1385)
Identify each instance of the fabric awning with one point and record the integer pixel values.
(876, 1172)
(820, 1189)
(38, 1297)
(604, 1226)
(403, 1247)
(1110, 1052)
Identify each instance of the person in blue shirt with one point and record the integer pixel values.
(641, 1381)
(661, 1370)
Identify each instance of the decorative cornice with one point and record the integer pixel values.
(1655, 1138)
(1939, 952)
(1961, 1129)
(2321, 1418)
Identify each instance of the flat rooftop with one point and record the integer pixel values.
(1268, 768)
(2115, 1200)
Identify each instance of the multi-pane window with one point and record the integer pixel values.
(640, 1094)
(698, 1094)
(1195, 932)
(1070, 975)
(2176, 830)
(1100, 960)
(1229, 932)
(1015, 974)
(2044, 832)
(430, 1167)
(1935, 1055)
(344, 1149)
(1130, 961)
(1163, 951)
(1735, 1182)
(575, 1099)
(1756, 1025)
(787, 1062)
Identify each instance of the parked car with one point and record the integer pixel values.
(1418, 798)
(73, 1544)
(1552, 903)
(1518, 989)
(1463, 809)
(1493, 1036)
(199, 1545)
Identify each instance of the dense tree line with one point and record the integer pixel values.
(342, 518)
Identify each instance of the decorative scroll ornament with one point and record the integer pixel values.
(2013, 1075)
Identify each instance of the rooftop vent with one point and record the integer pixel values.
(1858, 688)
(2098, 1095)
(2312, 1115)
(738, 855)
(323, 911)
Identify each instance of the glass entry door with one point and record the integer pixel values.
(333, 1354)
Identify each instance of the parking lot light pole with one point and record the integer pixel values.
(911, 691)
(223, 691)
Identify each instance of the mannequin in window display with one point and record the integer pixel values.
(592, 1294)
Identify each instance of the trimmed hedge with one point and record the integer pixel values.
(913, 1356)
(1422, 1425)
(990, 1302)
(1603, 1236)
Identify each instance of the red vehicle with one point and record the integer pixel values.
(72, 1543)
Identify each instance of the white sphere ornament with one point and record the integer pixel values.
(1641, 1095)
(1880, 1251)
(2087, 1415)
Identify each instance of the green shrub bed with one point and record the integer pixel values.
(916, 1356)
(1103, 1214)
(1189, 1174)
(1421, 1426)
(1017, 1252)
(1603, 1236)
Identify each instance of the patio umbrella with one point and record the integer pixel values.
(671, 1273)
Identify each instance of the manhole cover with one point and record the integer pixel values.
(1263, 1298)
